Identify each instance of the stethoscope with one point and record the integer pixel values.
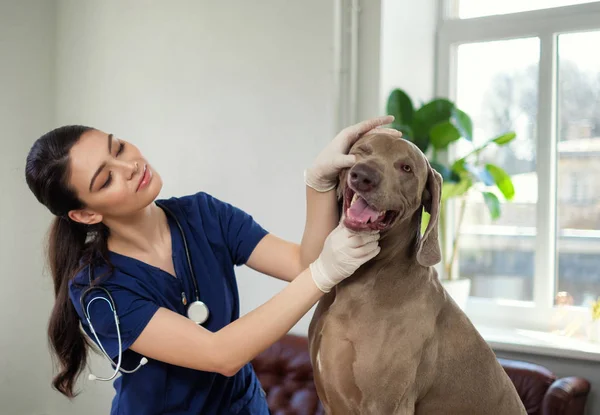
(197, 311)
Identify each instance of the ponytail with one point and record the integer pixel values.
(65, 246)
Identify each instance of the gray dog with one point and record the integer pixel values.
(389, 339)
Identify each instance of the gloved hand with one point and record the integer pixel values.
(344, 251)
(323, 174)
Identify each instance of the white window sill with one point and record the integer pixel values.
(540, 343)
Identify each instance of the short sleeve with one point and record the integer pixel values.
(133, 311)
(241, 232)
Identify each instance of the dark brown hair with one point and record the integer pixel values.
(71, 246)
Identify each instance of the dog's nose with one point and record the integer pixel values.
(364, 178)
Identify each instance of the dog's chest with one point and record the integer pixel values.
(374, 314)
(383, 319)
(381, 351)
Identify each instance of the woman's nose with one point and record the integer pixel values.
(129, 167)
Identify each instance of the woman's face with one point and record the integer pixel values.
(111, 178)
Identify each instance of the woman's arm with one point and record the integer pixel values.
(172, 338)
(321, 218)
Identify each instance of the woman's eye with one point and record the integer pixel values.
(107, 182)
(406, 168)
(121, 147)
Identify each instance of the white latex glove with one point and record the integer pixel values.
(323, 174)
(344, 251)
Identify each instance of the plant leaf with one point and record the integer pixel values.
(445, 172)
(453, 189)
(425, 217)
(400, 106)
(480, 173)
(493, 204)
(504, 138)
(459, 165)
(502, 180)
(430, 114)
(463, 123)
(407, 132)
(443, 134)
(421, 142)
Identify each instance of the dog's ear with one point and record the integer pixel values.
(428, 250)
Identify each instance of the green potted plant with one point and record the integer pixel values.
(434, 127)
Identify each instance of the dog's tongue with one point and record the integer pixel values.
(362, 212)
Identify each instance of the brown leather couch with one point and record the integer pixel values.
(286, 375)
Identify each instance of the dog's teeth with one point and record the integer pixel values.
(354, 198)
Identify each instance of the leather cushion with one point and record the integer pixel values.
(285, 372)
(531, 381)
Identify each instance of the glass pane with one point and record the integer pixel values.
(578, 193)
(477, 8)
(497, 86)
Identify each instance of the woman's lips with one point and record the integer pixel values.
(146, 177)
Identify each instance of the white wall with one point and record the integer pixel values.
(27, 31)
(408, 49)
(235, 101)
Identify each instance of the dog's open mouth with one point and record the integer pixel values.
(360, 216)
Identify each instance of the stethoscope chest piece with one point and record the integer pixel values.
(198, 312)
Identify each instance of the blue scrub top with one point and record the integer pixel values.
(219, 237)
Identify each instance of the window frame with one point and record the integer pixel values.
(547, 25)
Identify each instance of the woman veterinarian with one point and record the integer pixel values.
(163, 303)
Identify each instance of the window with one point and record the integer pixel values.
(496, 85)
(466, 9)
(529, 67)
(578, 239)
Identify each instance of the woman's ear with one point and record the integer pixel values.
(428, 251)
(87, 217)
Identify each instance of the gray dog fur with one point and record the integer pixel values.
(389, 339)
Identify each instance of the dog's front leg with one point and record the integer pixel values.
(335, 380)
(406, 407)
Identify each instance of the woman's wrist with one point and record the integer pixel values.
(308, 280)
(314, 181)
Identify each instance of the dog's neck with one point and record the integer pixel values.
(398, 251)
(399, 244)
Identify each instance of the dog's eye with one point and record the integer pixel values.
(406, 168)
(365, 149)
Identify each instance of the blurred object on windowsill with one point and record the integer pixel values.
(563, 323)
(594, 332)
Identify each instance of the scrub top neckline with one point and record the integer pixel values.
(144, 264)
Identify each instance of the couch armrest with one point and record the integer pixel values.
(285, 372)
(531, 382)
(566, 396)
